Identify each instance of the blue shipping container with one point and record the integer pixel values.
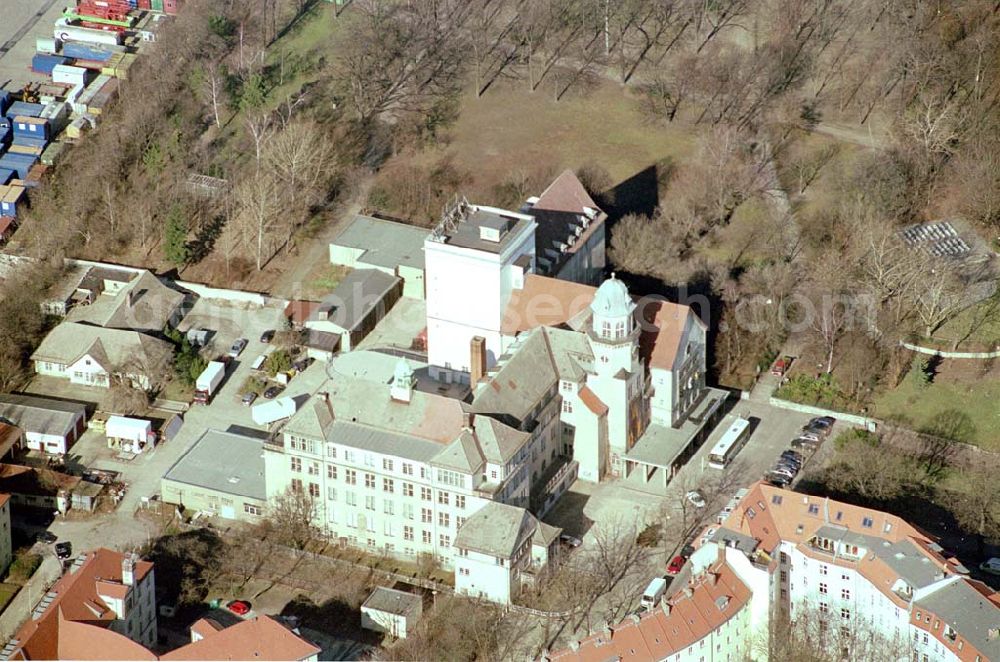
(44, 64)
(4, 101)
(19, 166)
(6, 174)
(82, 51)
(4, 136)
(29, 141)
(38, 128)
(25, 108)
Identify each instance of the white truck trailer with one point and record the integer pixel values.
(208, 382)
(65, 31)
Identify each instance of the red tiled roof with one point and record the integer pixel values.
(662, 331)
(593, 402)
(544, 301)
(77, 599)
(83, 641)
(566, 194)
(260, 638)
(300, 311)
(715, 597)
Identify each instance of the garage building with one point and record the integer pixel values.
(222, 474)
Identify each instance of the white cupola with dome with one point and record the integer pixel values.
(403, 381)
(613, 311)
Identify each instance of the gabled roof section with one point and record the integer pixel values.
(592, 402)
(664, 324)
(76, 598)
(498, 442)
(496, 529)
(706, 603)
(145, 304)
(70, 341)
(462, 455)
(259, 638)
(964, 605)
(566, 194)
(523, 377)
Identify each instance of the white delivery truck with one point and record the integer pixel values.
(131, 435)
(276, 410)
(208, 382)
(653, 593)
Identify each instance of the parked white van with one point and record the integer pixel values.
(651, 597)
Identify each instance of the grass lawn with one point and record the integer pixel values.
(978, 328)
(7, 593)
(978, 398)
(175, 390)
(510, 129)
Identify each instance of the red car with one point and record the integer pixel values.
(675, 565)
(239, 607)
(781, 366)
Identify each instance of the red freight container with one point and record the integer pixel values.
(172, 6)
(143, 4)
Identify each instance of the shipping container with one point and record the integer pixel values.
(94, 52)
(53, 153)
(57, 113)
(6, 174)
(32, 126)
(5, 101)
(11, 198)
(44, 64)
(24, 108)
(47, 45)
(70, 75)
(18, 163)
(23, 140)
(27, 150)
(35, 175)
(65, 32)
(143, 4)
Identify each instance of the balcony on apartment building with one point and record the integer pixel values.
(552, 483)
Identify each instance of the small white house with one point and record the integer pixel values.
(392, 612)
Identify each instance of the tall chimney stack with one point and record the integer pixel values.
(477, 360)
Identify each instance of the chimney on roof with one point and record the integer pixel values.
(665, 605)
(574, 645)
(713, 578)
(477, 359)
(688, 591)
(130, 298)
(468, 418)
(607, 630)
(128, 569)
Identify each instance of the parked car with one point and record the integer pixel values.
(248, 398)
(687, 551)
(793, 455)
(778, 480)
(303, 363)
(991, 566)
(267, 336)
(273, 391)
(675, 565)
(788, 472)
(46, 537)
(570, 541)
(237, 348)
(696, 499)
(64, 550)
(804, 444)
(820, 426)
(781, 366)
(793, 461)
(238, 607)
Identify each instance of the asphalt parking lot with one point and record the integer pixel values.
(21, 22)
